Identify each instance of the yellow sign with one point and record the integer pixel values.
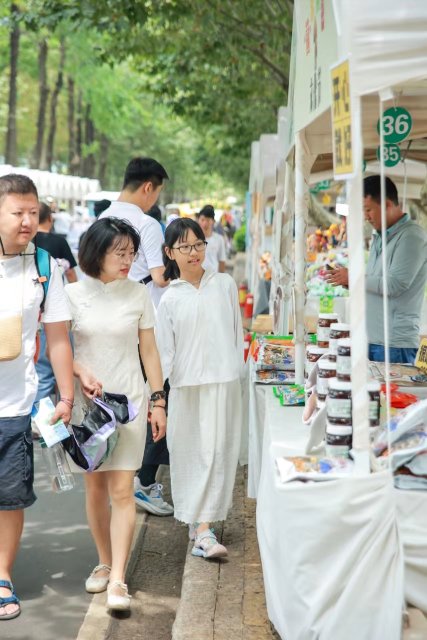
(341, 121)
(421, 360)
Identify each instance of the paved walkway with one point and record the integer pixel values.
(181, 597)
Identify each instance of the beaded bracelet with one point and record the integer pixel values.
(158, 406)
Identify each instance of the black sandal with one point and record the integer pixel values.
(12, 599)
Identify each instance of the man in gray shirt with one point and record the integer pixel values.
(406, 275)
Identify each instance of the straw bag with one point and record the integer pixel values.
(10, 337)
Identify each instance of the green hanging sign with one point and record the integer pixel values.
(397, 124)
(391, 155)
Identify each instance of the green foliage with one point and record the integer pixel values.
(239, 239)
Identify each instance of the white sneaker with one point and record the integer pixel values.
(207, 546)
(98, 584)
(118, 601)
(151, 498)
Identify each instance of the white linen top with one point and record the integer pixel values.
(215, 252)
(18, 378)
(199, 331)
(150, 250)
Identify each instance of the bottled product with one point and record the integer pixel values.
(374, 389)
(327, 370)
(338, 440)
(338, 331)
(344, 359)
(312, 355)
(323, 328)
(338, 402)
(57, 466)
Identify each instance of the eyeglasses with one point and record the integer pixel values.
(198, 246)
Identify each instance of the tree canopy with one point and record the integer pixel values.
(191, 82)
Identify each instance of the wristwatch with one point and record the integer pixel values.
(158, 395)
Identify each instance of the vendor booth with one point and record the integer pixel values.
(340, 557)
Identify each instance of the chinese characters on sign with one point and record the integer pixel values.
(341, 121)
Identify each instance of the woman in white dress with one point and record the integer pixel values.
(200, 339)
(110, 314)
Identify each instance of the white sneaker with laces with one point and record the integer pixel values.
(151, 498)
(207, 546)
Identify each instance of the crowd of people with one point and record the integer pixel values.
(155, 318)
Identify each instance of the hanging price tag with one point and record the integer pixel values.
(397, 125)
(391, 155)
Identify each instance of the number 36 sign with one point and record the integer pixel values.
(397, 124)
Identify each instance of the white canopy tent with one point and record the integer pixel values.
(387, 49)
(63, 188)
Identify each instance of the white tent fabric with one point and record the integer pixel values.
(55, 185)
(336, 572)
(412, 521)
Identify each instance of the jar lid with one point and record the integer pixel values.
(338, 429)
(339, 326)
(317, 350)
(339, 385)
(324, 363)
(374, 385)
(328, 316)
(344, 342)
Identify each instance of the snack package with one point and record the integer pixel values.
(272, 355)
(414, 416)
(317, 468)
(270, 376)
(402, 451)
(292, 395)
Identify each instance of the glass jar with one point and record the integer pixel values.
(374, 389)
(326, 371)
(337, 331)
(312, 355)
(323, 328)
(344, 359)
(339, 440)
(338, 402)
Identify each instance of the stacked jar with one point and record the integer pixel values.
(312, 355)
(326, 371)
(338, 331)
(323, 328)
(374, 389)
(343, 362)
(339, 430)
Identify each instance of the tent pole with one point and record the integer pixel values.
(359, 367)
(301, 215)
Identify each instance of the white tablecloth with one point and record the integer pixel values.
(317, 562)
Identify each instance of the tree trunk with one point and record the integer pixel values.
(53, 106)
(78, 163)
(43, 98)
(103, 159)
(89, 161)
(73, 159)
(11, 152)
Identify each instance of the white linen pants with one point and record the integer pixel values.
(204, 429)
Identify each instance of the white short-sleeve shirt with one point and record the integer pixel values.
(150, 251)
(215, 252)
(20, 291)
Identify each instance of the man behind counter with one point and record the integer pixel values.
(406, 275)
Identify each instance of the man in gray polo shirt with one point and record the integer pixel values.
(406, 275)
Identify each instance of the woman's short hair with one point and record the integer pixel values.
(101, 236)
(177, 231)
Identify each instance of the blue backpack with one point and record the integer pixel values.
(42, 260)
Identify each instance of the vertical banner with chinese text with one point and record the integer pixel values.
(341, 121)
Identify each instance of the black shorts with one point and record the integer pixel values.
(16, 463)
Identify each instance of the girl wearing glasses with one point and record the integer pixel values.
(200, 339)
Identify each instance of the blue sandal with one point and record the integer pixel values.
(12, 599)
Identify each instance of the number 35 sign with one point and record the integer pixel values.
(397, 124)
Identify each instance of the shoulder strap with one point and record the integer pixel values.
(42, 259)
